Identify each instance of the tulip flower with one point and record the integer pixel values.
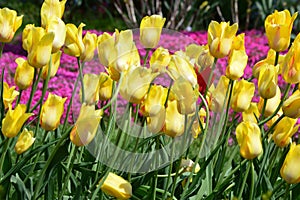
(242, 95)
(204, 59)
(278, 27)
(58, 27)
(113, 73)
(24, 141)
(284, 130)
(116, 186)
(14, 120)
(174, 121)
(91, 89)
(55, 62)
(196, 129)
(39, 47)
(154, 100)
(291, 63)
(9, 24)
(238, 42)
(24, 74)
(86, 126)
(27, 36)
(105, 86)
(218, 95)
(248, 136)
(236, 65)
(106, 48)
(291, 106)
(181, 66)
(52, 8)
(90, 44)
(159, 60)
(272, 103)
(290, 170)
(220, 37)
(150, 30)
(252, 113)
(194, 50)
(185, 95)
(267, 82)
(51, 112)
(73, 44)
(135, 84)
(156, 119)
(9, 94)
(188, 165)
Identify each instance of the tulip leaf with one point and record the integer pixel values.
(21, 192)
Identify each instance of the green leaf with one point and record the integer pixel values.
(21, 191)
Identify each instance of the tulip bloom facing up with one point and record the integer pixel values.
(86, 125)
(220, 38)
(117, 187)
(14, 120)
(291, 106)
(74, 45)
(90, 44)
(52, 8)
(9, 94)
(150, 30)
(290, 170)
(236, 65)
(267, 82)
(242, 95)
(24, 141)
(278, 27)
(248, 136)
(24, 74)
(284, 130)
(9, 24)
(105, 86)
(51, 112)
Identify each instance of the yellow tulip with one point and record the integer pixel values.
(40, 48)
(27, 36)
(24, 74)
(272, 103)
(58, 27)
(51, 112)
(51, 8)
(113, 73)
(174, 121)
(136, 83)
(14, 120)
(248, 136)
(73, 44)
(291, 106)
(238, 42)
(220, 38)
(242, 95)
(24, 141)
(106, 48)
(218, 95)
(194, 50)
(267, 82)
(291, 63)
(156, 119)
(236, 65)
(181, 66)
(252, 113)
(185, 95)
(86, 126)
(159, 60)
(105, 86)
(9, 24)
(196, 129)
(90, 44)
(154, 100)
(150, 30)
(204, 59)
(117, 187)
(91, 89)
(278, 27)
(188, 164)
(55, 62)
(284, 130)
(290, 170)
(9, 94)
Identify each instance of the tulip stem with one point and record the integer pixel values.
(3, 154)
(273, 125)
(170, 170)
(263, 109)
(252, 180)
(146, 57)
(1, 99)
(2, 44)
(276, 58)
(168, 93)
(19, 97)
(80, 66)
(287, 192)
(115, 96)
(33, 87)
(245, 180)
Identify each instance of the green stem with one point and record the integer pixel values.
(276, 58)
(170, 170)
(263, 109)
(244, 180)
(273, 125)
(99, 185)
(2, 44)
(34, 87)
(19, 97)
(146, 56)
(287, 192)
(3, 154)
(252, 180)
(168, 93)
(81, 79)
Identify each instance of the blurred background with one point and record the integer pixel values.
(191, 15)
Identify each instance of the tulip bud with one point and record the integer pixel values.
(218, 95)
(58, 27)
(242, 95)
(91, 89)
(90, 42)
(291, 106)
(14, 120)
(24, 74)
(236, 65)
(150, 30)
(117, 187)
(156, 119)
(159, 60)
(86, 125)
(284, 130)
(9, 24)
(73, 44)
(24, 141)
(220, 37)
(174, 122)
(106, 49)
(290, 170)
(248, 136)
(272, 103)
(267, 82)
(9, 94)
(105, 86)
(252, 113)
(55, 62)
(278, 27)
(52, 8)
